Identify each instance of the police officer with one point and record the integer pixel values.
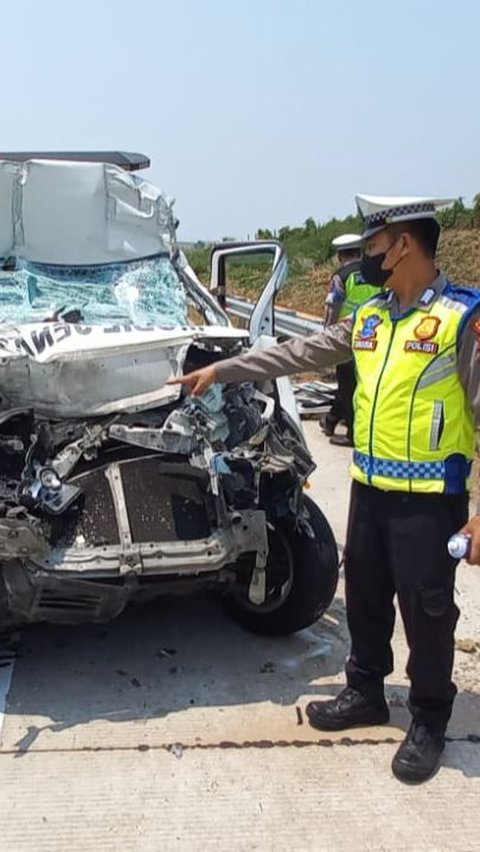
(346, 291)
(417, 353)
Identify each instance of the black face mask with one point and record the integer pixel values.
(371, 269)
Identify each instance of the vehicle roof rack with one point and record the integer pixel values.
(127, 160)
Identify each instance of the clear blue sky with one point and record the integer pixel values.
(255, 114)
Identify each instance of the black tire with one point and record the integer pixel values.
(313, 567)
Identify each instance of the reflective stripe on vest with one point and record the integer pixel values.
(414, 426)
(356, 293)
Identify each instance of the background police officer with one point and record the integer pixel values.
(417, 352)
(346, 291)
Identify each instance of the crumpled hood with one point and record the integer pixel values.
(67, 370)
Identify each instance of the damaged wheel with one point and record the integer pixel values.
(301, 577)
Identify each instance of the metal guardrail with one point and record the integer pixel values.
(287, 321)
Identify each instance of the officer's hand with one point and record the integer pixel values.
(473, 529)
(198, 381)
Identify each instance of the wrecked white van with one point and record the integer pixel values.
(113, 486)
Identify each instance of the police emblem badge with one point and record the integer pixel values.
(427, 328)
(366, 337)
(424, 331)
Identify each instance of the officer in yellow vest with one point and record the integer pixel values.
(347, 290)
(417, 353)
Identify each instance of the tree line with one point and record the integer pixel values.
(313, 240)
(310, 245)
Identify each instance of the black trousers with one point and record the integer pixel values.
(397, 543)
(342, 407)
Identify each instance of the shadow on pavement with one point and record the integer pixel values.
(160, 659)
(183, 653)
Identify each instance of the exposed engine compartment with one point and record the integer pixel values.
(179, 489)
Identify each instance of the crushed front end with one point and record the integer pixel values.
(98, 512)
(113, 487)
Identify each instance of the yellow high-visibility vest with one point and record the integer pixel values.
(356, 292)
(414, 427)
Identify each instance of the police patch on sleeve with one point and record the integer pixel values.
(475, 326)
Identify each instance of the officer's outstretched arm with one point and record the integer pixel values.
(325, 348)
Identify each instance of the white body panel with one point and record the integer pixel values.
(79, 371)
(80, 213)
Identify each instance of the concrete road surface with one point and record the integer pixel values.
(171, 729)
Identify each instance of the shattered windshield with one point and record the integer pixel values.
(142, 292)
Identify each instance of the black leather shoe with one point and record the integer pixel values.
(349, 709)
(419, 756)
(341, 441)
